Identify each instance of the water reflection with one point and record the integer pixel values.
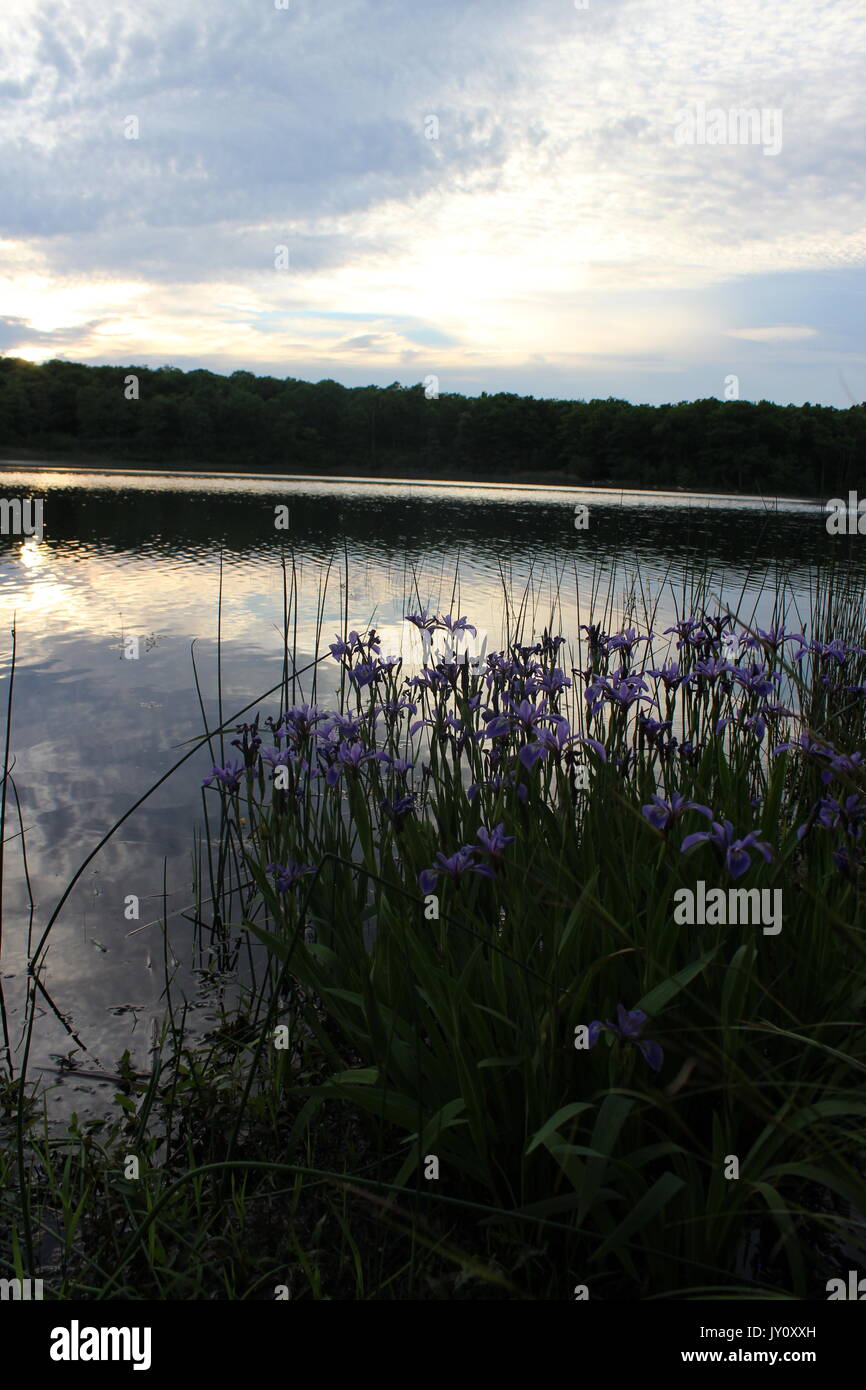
(142, 557)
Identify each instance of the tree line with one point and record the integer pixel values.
(167, 417)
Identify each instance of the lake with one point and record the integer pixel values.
(141, 556)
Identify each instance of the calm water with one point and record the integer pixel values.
(125, 555)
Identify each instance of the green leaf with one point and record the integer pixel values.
(736, 982)
(576, 913)
(363, 1076)
(445, 1118)
(277, 948)
(611, 1118)
(849, 1192)
(782, 1216)
(549, 1126)
(658, 1196)
(658, 998)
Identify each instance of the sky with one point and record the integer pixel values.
(657, 202)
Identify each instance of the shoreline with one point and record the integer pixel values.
(490, 483)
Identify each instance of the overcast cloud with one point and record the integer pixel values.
(556, 236)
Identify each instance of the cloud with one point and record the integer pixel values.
(364, 340)
(781, 333)
(552, 218)
(246, 116)
(15, 332)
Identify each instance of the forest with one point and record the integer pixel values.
(168, 417)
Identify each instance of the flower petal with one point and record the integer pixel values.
(653, 1053)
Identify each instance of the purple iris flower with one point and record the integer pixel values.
(423, 621)
(757, 680)
(653, 729)
(806, 744)
(837, 651)
(829, 651)
(689, 752)
(278, 757)
(429, 679)
(494, 841)
(618, 689)
(551, 682)
(345, 648)
(717, 623)
(849, 814)
(531, 752)
(463, 862)
(624, 641)
(661, 814)
(686, 629)
(772, 639)
(842, 765)
(628, 1028)
(458, 625)
(287, 875)
(347, 726)
(735, 853)
(400, 765)
(670, 675)
(597, 748)
(249, 743)
(712, 669)
(395, 707)
(459, 733)
(228, 776)
(547, 741)
(498, 725)
(275, 726)
(300, 720)
(550, 645)
(595, 636)
(627, 764)
(525, 715)
(420, 723)
(556, 741)
(368, 672)
(398, 811)
(529, 716)
(350, 757)
(764, 716)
